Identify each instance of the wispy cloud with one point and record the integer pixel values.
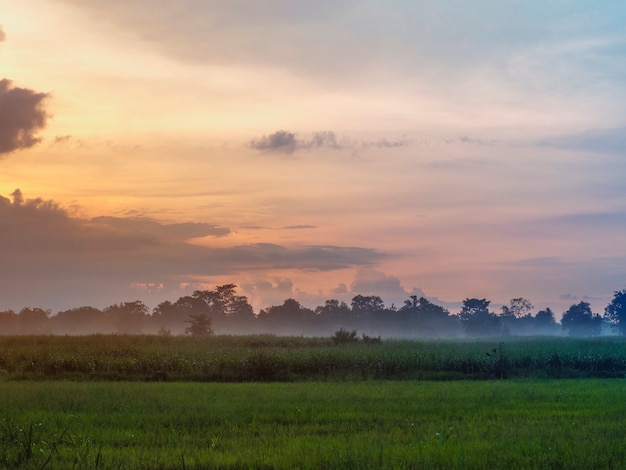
(611, 141)
(288, 142)
(21, 117)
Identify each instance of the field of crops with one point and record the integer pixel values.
(517, 423)
(108, 401)
(273, 358)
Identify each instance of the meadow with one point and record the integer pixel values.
(107, 401)
(524, 423)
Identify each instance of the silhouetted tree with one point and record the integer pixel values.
(580, 321)
(615, 312)
(33, 321)
(518, 307)
(334, 314)
(419, 316)
(9, 322)
(128, 317)
(478, 320)
(199, 325)
(80, 320)
(544, 322)
(290, 317)
(228, 310)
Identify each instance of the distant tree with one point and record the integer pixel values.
(199, 325)
(128, 317)
(363, 305)
(334, 314)
(544, 322)
(580, 321)
(615, 311)
(33, 321)
(422, 317)
(228, 310)
(478, 320)
(8, 322)
(518, 307)
(80, 320)
(289, 318)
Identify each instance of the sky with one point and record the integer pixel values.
(312, 150)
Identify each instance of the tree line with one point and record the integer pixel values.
(222, 310)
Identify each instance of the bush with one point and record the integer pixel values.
(342, 336)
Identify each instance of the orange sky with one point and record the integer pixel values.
(312, 150)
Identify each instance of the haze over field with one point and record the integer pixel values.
(312, 150)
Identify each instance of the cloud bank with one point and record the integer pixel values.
(56, 260)
(21, 117)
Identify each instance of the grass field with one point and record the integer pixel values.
(463, 424)
(274, 358)
(277, 402)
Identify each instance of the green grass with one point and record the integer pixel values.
(463, 424)
(271, 358)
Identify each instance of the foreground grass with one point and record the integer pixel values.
(271, 358)
(464, 424)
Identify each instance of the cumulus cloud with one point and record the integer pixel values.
(21, 117)
(60, 261)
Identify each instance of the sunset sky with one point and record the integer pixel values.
(312, 150)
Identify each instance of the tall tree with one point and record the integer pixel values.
(478, 320)
(580, 321)
(199, 325)
(518, 307)
(615, 312)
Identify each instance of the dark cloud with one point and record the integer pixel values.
(21, 117)
(58, 261)
(288, 142)
(279, 141)
(178, 232)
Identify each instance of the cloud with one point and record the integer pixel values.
(279, 141)
(21, 117)
(60, 261)
(3, 36)
(177, 232)
(370, 281)
(288, 142)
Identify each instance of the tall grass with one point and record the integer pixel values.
(269, 358)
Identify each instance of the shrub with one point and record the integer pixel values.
(343, 336)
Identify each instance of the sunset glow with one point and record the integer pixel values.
(312, 150)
